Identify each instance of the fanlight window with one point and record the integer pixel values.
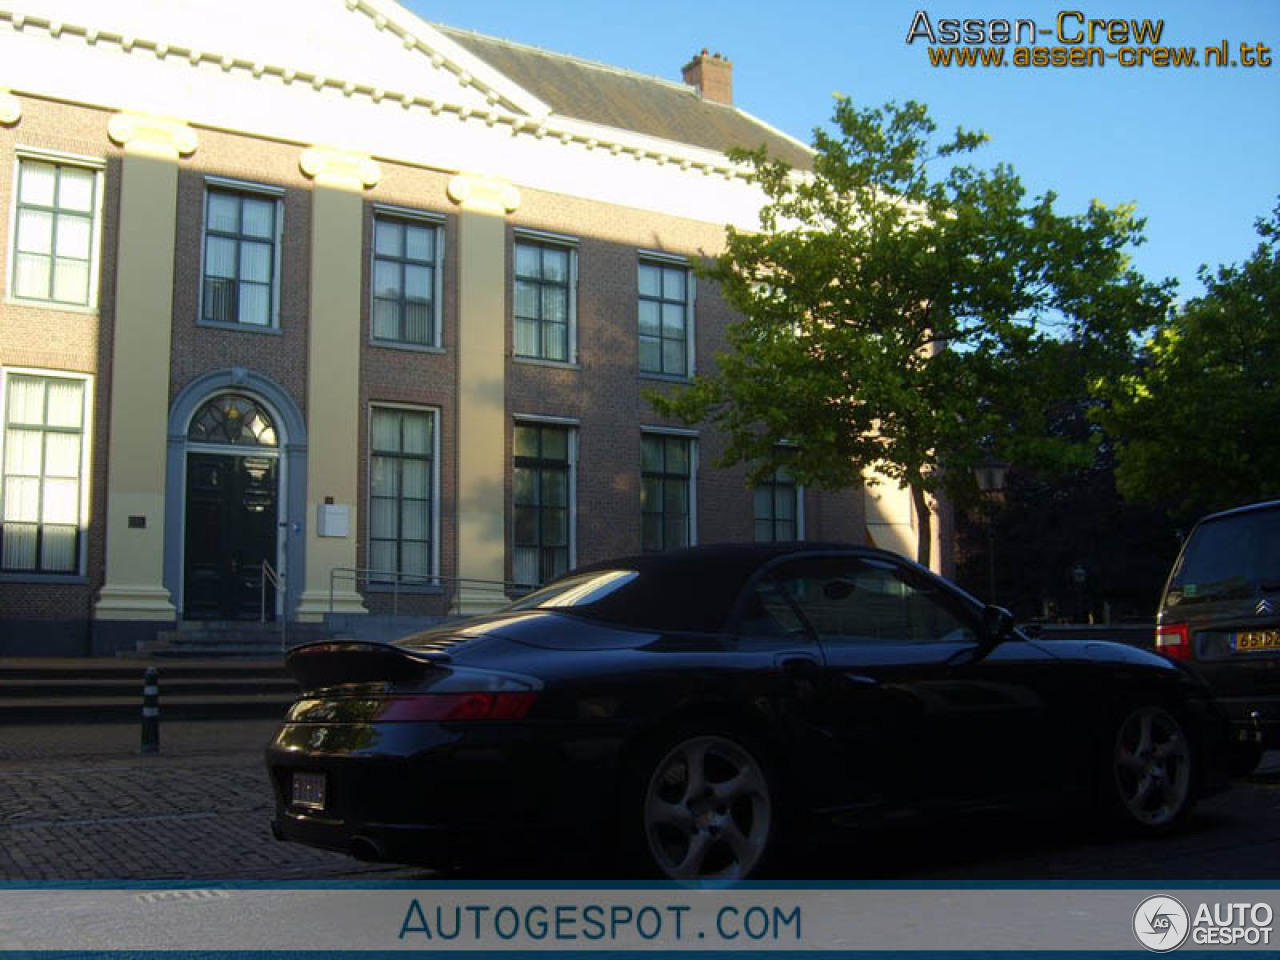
(233, 419)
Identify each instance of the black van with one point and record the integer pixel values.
(1220, 614)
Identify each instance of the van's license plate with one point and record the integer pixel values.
(1250, 640)
(308, 790)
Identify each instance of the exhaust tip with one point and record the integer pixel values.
(367, 849)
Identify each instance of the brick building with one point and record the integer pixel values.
(352, 292)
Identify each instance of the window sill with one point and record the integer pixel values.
(240, 328)
(666, 377)
(54, 305)
(406, 347)
(47, 579)
(552, 364)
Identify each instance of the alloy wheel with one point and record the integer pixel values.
(708, 811)
(1152, 767)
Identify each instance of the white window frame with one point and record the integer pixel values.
(422, 218)
(86, 476)
(692, 437)
(570, 245)
(660, 259)
(431, 580)
(94, 165)
(245, 188)
(572, 425)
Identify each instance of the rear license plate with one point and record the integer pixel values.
(308, 790)
(1251, 640)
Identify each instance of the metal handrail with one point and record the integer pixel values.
(277, 580)
(396, 578)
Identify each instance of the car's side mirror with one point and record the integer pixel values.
(997, 625)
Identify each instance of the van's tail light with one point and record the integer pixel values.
(1174, 640)
(480, 705)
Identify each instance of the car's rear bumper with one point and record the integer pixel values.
(439, 795)
(432, 845)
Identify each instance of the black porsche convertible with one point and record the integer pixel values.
(684, 713)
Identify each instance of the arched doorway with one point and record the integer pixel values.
(291, 473)
(232, 510)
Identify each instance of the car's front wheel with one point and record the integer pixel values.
(708, 810)
(1151, 769)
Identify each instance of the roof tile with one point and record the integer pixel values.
(628, 101)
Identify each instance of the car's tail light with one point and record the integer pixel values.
(479, 705)
(1174, 640)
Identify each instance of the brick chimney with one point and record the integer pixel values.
(712, 74)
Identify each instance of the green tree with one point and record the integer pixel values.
(1197, 424)
(907, 313)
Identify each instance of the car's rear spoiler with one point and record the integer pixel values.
(331, 662)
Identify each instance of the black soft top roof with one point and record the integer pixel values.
(694, 589)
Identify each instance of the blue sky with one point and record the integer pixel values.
(1197, 150)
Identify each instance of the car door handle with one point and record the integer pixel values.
(858, 680)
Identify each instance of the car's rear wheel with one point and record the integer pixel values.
(1152, 769)
(708, 810)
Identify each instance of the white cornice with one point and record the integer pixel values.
(501, 95)
(416, 33)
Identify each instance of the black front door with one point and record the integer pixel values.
(231, 530)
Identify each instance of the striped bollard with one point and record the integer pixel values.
(151, 711)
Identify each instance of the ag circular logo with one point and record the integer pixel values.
(1161, 923)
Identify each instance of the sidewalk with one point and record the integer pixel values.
(81, 802)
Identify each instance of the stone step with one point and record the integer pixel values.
(98, 690)
(53, 668)
(187, 638)
(45, 710)
(130, 687)
(270, 628)
(220, 638)
(199, 650)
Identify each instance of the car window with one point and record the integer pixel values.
(769, 613)
(1233, 556)
(858, 601)
(576, 590)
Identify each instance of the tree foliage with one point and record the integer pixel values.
(907, 313)
(1198, 424)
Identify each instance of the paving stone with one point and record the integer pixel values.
(82, 803)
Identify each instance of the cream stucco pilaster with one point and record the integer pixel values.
(889, 515)
(333, 376)
(134, 585)
(891, 520)
(482, 288)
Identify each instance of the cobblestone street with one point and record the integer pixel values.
(82, 803)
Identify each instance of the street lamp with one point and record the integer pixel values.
(1079, 575)
(990, 475)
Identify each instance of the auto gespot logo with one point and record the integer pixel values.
(1161, 924)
